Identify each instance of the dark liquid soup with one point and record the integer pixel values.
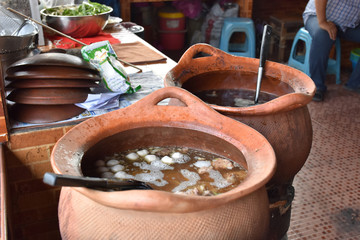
(233, 97)
(234, 88)
(173, 169)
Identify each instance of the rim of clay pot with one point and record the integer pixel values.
(197, 116)
(214, 59)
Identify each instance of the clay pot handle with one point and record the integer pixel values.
(183, 99)
(194, 50)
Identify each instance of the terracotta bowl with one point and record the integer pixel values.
(48, 96)
(53, 59)
(43, 113)
(51, 72)
(52, 83)
(241, 213)
(285, 121)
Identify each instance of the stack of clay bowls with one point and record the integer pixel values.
(46, 87)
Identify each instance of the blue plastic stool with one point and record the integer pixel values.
(301, 62)
(233, 25)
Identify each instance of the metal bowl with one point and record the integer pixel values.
(77, 26)
(25, 39)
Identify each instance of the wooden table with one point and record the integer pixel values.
(284, 28)
(158, 69)
(28, 158)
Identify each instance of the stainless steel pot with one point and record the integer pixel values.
(14, 48)
(25, 39)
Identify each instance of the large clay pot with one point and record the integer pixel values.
(241, 213)
(284, 121)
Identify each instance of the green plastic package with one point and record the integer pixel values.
(114, 77)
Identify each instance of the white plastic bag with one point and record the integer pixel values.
(211, 28)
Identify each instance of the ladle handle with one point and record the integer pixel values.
(263, 55)
(92, 182)
(265, 44)
(53, 179)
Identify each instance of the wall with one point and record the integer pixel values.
(262, 9)
(246, 7)
(32, 204)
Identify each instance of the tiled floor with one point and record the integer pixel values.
(327, 189)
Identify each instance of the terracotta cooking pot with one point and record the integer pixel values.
(241, 213)
(284, 121)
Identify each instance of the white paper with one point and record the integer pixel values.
(100, 101)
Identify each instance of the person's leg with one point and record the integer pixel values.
(353, 34)
(319, 52)
(354, 81)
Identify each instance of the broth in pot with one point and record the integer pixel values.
(234, 88)
(180, 170)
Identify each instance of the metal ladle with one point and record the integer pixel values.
(263, 54)
(92, 182)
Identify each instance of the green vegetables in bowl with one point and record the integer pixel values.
(84, 9)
